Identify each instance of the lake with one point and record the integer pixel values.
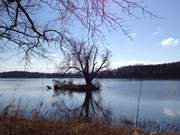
(159, 100)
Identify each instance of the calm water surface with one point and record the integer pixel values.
(160, 100)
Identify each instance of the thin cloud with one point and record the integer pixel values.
(155, 33)
(169, 42)
(133, 35)
(158, 31)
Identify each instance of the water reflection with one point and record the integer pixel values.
(159, 99)
(93, 108)
(90, 108)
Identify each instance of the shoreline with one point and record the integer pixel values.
(35, 126)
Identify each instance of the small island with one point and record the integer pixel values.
(70, 86)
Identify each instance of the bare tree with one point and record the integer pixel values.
(86, 59)
(21, 22)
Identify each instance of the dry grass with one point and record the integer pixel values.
(23, 126)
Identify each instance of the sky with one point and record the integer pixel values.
(155, 40)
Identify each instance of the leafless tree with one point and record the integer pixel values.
(21, 22)
(86, 59)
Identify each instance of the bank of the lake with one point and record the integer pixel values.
(21, 126)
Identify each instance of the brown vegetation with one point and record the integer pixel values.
(21, 126)
(15, 121)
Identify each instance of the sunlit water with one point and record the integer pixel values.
(159, 101)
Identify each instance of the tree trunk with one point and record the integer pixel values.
(87, 103)
(88, 83)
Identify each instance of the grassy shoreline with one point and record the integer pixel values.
(11, 125)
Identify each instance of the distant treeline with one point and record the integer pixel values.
(25, 74)
(160, 71)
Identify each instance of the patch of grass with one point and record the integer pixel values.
(23, 126)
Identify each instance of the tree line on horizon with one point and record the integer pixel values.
(160, 71)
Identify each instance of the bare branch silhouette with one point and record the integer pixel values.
(21, 25)
(85, 58)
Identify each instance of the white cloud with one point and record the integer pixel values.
(169, 42)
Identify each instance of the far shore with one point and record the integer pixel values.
(129, 79)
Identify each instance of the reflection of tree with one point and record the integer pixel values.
(89, 109)
(92, 108)
(62, 92)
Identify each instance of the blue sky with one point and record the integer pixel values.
(154, 40)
